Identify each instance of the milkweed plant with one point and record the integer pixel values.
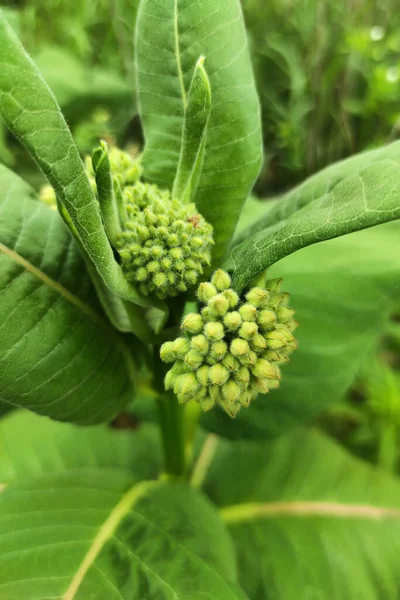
(160, 330)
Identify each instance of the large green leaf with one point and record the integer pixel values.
(342, 291)
(309, 521)
(355, 194)
(171, 36)
(58, 355)
(84, 525)
(33, 115)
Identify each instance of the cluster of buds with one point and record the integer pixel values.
(164, 245)
(231, 350)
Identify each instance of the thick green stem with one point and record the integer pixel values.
(172, 434)
(172, 422)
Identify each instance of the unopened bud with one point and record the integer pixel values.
(231, 408)
(200, 344)
(221, 280)
(193, 359)
(232, 298)
(275, 339)
(231, 363)
(219, 349)
(167, 353)
(264, 369)
(169, 380)
(218, 374)
(260, 385)
(275, 300)
(258, 342)
(207, 403)
(274, 285)
(246, 398)
(249, 359)
(206, 291)
(266, 319)
(218, 305)
(202, 375)
(231, 391)
(214, 331)
(248, 312)
(187, 386)
(242, 376)
(192, 323)
(248, 330)
(239, 347)
(232, 321)
(257, 297)
(180, 347)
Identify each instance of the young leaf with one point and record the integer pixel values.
(302, 503)
(58, 355)
(33, 115)
(105, 192)
(343, 291)
(197, 114)
(89, 526)
(353, 195)
(170, 36)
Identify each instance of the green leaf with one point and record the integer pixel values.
(308, 520)
(170, 36)
(58, 355)
(87, 525)
(105, 192)
(342, 291)
(33, 115)
(353, 195)
(197, 115)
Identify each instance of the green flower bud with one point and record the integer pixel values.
(273, 285)
(257, 297)
(218, 350)
(214, 331)
(186, 386)
(231, 391)
(160, 280)
(277, 356)
(193, 359)
(218, 374)
(274, 301)
(231, 363)
(205, 292)
(232, 298)
(218, 305)
(242, 376)
(192, 323)
(169, 380)
(232, 321)
(215, 393)
(248, 312)
(153, 266)
(260, 385)
(246, 398)
(249, 359)
(180, 347)
(221, 280)
(231, 408)
(275, 340)
(264, 369)
(207, 403)
(167, 353)
(200, 344)
(207, 315)
(202, 375)
(239, 347)
(248, 330)
(142, 274)
(258, 342)
(266, 319)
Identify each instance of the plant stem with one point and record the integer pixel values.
(172, 422)
(172, 434)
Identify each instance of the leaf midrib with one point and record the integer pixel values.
(106, 531)
(58, 287)
(239, 513)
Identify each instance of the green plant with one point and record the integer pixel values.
(91, 326)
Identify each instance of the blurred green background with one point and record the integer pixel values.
(328, 75)
(327, 72)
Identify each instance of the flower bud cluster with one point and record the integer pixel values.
(165, 245)
(231, 350)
